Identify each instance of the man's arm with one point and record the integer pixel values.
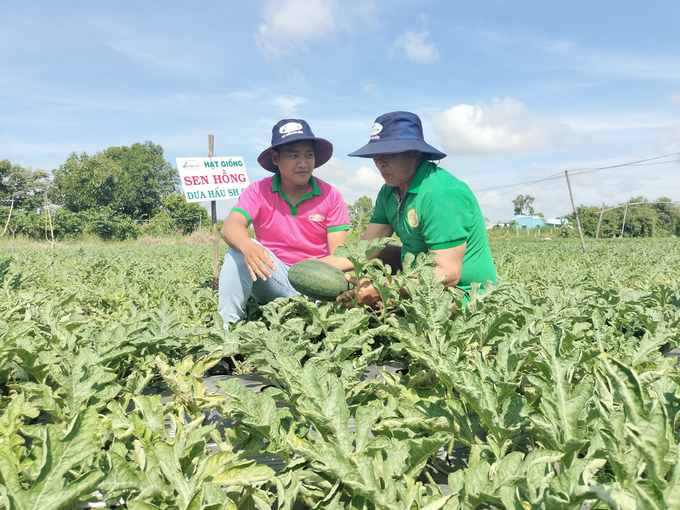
(373, 231)
(335, 239)
(449, 264)
(235, 233)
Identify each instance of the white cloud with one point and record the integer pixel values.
(502, 126)
(352, 183)
(287, 104)
(290, 24)
(674, 98)
(416, 47)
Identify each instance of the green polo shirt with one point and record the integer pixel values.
(438, 212)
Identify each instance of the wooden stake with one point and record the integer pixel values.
(213, 210)
(573, 205)
(599, 222)
(48, 216)
(625, 211)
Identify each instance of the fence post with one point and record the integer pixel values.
(213, 210)
(625, 211)
(573, 205)
(599, 222)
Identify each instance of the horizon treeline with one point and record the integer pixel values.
(116, 194)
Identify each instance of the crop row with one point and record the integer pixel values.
(552, 390)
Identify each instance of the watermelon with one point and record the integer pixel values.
(317, 280)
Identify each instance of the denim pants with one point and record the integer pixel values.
(236, 286)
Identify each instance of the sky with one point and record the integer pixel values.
(513, 92)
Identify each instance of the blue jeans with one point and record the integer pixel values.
(236, 286)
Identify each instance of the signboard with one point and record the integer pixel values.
(212, 178)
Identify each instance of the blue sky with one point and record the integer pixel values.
(512, 91)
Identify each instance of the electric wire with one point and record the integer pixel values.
(576, 171)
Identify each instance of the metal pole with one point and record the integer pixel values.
(573, 205)
(599, 222)
(625, 211)
(213, 210)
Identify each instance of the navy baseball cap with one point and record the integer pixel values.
(397, 132)
(291, 131)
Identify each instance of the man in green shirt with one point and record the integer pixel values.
(427, 207)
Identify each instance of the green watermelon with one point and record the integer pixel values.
(317, 280)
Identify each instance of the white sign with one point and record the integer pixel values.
(212, 178)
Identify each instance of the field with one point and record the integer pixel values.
(557, 389)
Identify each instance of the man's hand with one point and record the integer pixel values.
(367, 294)
(258, 261)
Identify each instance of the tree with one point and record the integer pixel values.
(27, 185)
(668, 216)
(187, 216)
(360, 213)
(523, 205)
(132, 181)
(642, 220)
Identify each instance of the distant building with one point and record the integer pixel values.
(556, 222)
(499, 224)
(522, 222)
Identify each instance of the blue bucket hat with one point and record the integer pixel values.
(291, 131)
(397, 132)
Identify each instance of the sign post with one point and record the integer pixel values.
(213, 213)
(212, 178)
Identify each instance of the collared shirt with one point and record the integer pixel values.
(293, 232)
(437, 212)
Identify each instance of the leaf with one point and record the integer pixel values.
(365, 418)
(562, 424)
(646, 428)
(119, 477)
(81, 378)
(672, 491)
(324, 405)
(52, 490)
(539, 471)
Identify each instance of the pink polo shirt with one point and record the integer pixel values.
(293, 232)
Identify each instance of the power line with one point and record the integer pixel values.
(577, 171)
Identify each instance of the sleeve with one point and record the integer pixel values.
(249, 203)
(447, 219)
(337, 217)
(379, 213)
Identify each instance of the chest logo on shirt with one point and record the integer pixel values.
(412, 217)
(316, 217)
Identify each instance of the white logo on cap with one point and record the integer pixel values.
(291, 126)
(376, 128)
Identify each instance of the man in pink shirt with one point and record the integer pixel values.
(295, 216)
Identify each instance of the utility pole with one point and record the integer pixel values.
(599, 222)
(573, 205)
(213, 210)
(625, 211)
